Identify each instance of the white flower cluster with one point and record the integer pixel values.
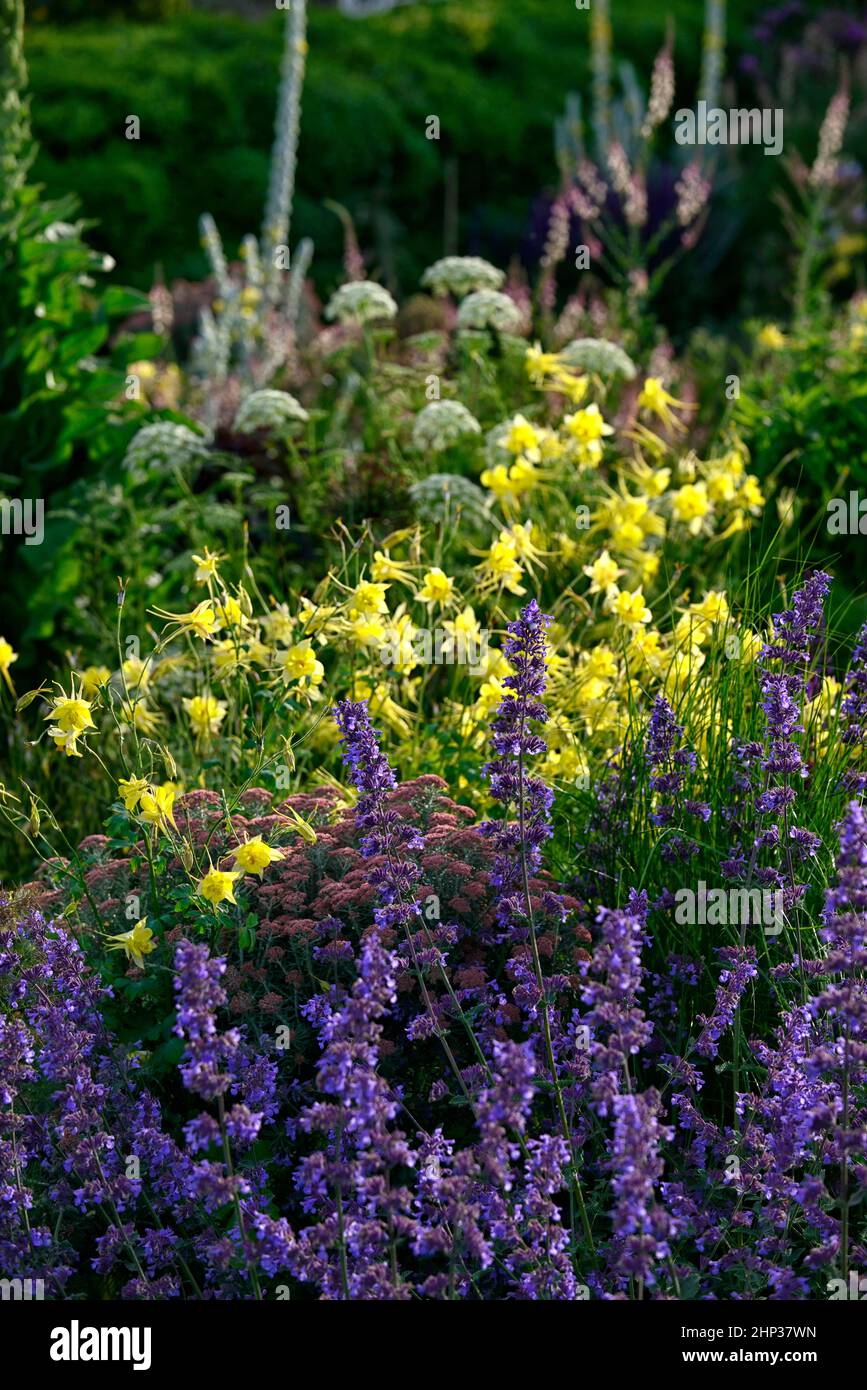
(490, 309)
(595, 355)
(360, 301)
(441, 424)
(459, 275)
(269, 410)
(443, 497)
(164, 445)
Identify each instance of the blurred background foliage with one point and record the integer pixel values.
(202, 79)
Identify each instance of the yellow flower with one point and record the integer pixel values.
(436, 587)
(278, 625)
(588, 429)
(750, 494)
(500, 568)
(540, 364)
(230, 613)
(369, 599)
(464, 634)
(654, 398)
(300, 665)
(206, 566)
(228, 659)
(7, 656)
(70, 712)
(206, 714)
(135, 673)
(384, 567)
(304, 828)
(140, 716)
(366, 632)
(254, 856)
(138, 942)
(522, 438)
(602, 573)
(218, 886)
(770, 336)
(201, 621)
(92, 679)
(737, 522)
(130, 790)
(509, 484)
(157, 807)
(630, 608)
(691, 505)
(713, 608)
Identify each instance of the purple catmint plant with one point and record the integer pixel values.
(670, 764)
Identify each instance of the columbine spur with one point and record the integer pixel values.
(595, 355)
(164, 445)
(490, 309)
(459, 275)
(269, 410)
(361, 301)
(441, 424)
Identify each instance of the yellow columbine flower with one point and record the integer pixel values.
(540, 364)
(206, 714)
(206, 566)
(138, 942)
(135, 673)
(304, 828)
(366, 632)
(131, 790)
(522, 438)
(654, 398)
(713, 608)
(140, 716)
(70, 712)
(770, 336)
(7, 656)
(500, 568)
(588, 428)
(278, 625)
(201, 621)
(301, 665)
(228, 660)
(92, 679)
(157, 805)
(254, 856)
(630, 608)
(218, 886)
(230, 613)
(464, 634)
(602, 573)
(436, 587)
(750, 494)
(385, 568)
(369, 599)
(691, 505)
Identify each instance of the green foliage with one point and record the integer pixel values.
(205, 93)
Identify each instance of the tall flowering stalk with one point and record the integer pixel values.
(386, 835)
(842, 1055)
(284, 156)
(518, 844)
(669, 765)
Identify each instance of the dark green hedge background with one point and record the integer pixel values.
(203, 84)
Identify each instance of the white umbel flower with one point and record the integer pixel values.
(360, 301)
(595, 355)
(460, 275)
(441, 424)
(489, 309)
(269, 410)
(164, 445)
